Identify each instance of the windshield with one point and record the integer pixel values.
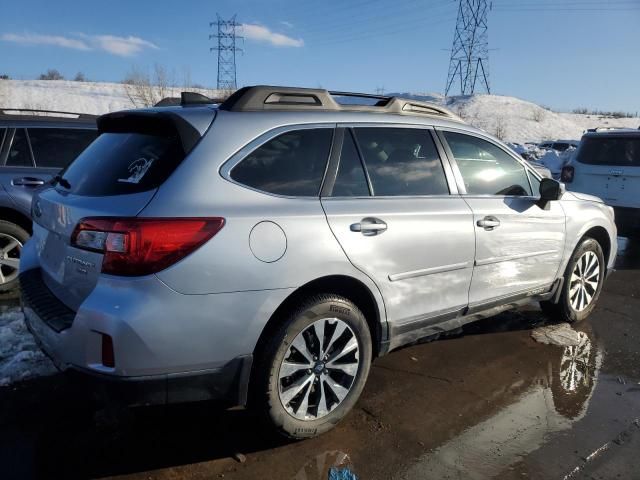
(618, 151)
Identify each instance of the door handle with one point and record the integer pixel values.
(488, 223)
(369, 226)
(27, 182)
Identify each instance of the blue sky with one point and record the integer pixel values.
(563, 54)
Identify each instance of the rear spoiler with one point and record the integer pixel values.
(164, 124)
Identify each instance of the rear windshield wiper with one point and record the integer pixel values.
(64, 183)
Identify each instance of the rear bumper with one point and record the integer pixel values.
(228, 384)
(168, 347)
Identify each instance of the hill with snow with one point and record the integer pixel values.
(509, 118)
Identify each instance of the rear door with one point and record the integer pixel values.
(395, 212)
(18, 174)
(518, 244)
(35, 154)
(608, 166)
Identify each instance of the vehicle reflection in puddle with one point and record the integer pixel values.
(558, 398)
(328, 465)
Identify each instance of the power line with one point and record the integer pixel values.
(226, 48)
(470, 52)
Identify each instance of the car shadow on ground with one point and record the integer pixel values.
(51, 427)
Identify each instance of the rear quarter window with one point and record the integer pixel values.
(124, 163)
(290, 164)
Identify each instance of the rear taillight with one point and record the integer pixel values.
(141, 246)
(567, 173)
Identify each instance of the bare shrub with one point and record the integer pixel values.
(144, 90)
(80, 77)
(538, 114)
(51, 74)
(500, 129)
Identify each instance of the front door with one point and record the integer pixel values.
(519, 245)
(388, 203)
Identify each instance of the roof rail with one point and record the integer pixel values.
(187, 98)
(610, 129)
(35, 112)
(264, 97)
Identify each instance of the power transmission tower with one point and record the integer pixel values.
(226, 49)
(470, 53)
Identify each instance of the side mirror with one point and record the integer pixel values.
(549, 190)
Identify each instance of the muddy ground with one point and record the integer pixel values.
(488, 402)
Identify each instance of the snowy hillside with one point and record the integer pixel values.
(65, 95)
(510, 118)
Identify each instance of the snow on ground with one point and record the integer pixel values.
(68, 96)
(20, 357)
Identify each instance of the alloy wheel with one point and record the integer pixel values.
(584, 281)
(10, 248)
(319, 369)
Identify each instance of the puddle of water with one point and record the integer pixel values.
(557, 399)
(561, 335)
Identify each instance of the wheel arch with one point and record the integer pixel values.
(343, 285)
(600, 235)
(16, 217)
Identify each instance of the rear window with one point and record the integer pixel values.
(124, 163)
(612, 151)
(57, 147)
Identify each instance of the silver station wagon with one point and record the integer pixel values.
(265, 250)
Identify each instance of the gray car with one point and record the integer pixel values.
(266, 250)
(34, 146)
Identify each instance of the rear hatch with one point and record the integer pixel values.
(609, 167)
(116, 176)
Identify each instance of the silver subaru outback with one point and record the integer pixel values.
(265, 250)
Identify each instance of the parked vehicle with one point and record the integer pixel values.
(33, 148)
(265, 250)
(607, 164)
(559, 145)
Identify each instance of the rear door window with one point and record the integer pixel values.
(124, 163)
(19, 153)
(401, 161)
(290, 164)
(611, 151)
(57, 147)
(3, 133)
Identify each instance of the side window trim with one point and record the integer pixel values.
(458, 176)
(9, 139)
(33, 157)
(350, 131)
(257, 142)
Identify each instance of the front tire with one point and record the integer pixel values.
(12, 238)
(313, 369)
(582, 285)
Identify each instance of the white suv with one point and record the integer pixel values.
(607, 164)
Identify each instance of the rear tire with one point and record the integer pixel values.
(583, 279)
(12, 238)
(305, 386)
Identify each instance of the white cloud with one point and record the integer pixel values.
(286, 24)
(35, 39)
(261, 33)
(121, 46)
